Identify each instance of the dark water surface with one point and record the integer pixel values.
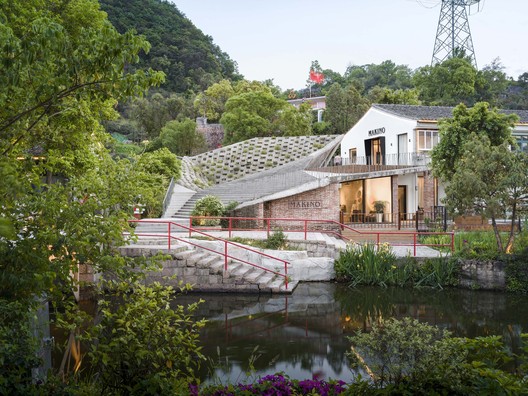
(305, 334)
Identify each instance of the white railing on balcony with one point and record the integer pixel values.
(402, 159)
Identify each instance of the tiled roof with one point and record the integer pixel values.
(434, 113)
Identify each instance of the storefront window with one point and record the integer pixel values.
(378, 190)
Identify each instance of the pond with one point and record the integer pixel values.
(305, 334)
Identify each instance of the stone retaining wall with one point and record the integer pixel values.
(485, 275)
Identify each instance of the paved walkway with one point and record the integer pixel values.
(399, 251)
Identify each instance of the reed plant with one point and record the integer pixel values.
(377, 265)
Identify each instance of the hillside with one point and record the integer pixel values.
(189, 58)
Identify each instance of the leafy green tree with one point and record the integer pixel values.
(387, 75)
(489, 180)
(182, 138)
(251, 114)
(64, 200)
(456, 131)
(151, 114)
(390, 96)
(492, 83)
(481, 173)
(296, 122)
(344, 107)
(211, 103)
(448, 83)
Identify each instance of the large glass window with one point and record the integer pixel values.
(427, 139)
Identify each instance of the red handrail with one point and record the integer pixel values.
(226, 243)
(304, 228)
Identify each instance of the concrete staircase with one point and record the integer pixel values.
(180, 196)
(205, 269)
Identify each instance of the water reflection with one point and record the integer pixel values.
(305, 334)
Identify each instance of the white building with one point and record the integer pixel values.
(392, 143)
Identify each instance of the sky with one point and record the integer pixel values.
(279, 39)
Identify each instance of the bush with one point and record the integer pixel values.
(18, 348)
(228, 212)
(142, 345)
(276, 241)
(405, 350)
(517, 273)
(208, 206)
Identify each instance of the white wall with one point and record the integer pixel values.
(374, 119)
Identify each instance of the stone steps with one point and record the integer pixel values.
(205, 270)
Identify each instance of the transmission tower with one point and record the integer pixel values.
(453, 37)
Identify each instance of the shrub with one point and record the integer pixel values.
(142, 345)
(208, 206)
(517, 273)
(276, 241)
(400, 350)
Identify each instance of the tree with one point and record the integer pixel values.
(456, 131)
(189, 58)
(211, 103)
(448, 83)
(481, 173)
(182, 138)
(390, 96)
(296, 122)
(344, 107)
(251, 114)
(65, 201)
(490, 180)
(492, 83)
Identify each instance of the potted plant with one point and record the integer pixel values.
(379, 207)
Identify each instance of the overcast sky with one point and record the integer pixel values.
(278, 39)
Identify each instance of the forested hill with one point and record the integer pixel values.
(189, 58)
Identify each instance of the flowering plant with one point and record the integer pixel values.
(274, 385)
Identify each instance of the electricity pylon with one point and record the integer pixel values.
(453, 37)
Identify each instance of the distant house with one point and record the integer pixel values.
(318, 104)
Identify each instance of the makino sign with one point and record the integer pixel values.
(377, 131)
(305, 204)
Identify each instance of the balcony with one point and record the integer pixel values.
(390, 162)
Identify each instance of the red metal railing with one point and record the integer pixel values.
(334, 228)
(170, 236)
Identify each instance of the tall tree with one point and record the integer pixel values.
(481, 173)
(456, 131)
(182, 138)
(448, 83)
(63, 69)
(251, 114)
(491, 181)
(344, 107)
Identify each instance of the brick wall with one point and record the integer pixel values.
(394, 186)
(429, 192)
(319, 204)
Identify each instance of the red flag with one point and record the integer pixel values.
(316, 77)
